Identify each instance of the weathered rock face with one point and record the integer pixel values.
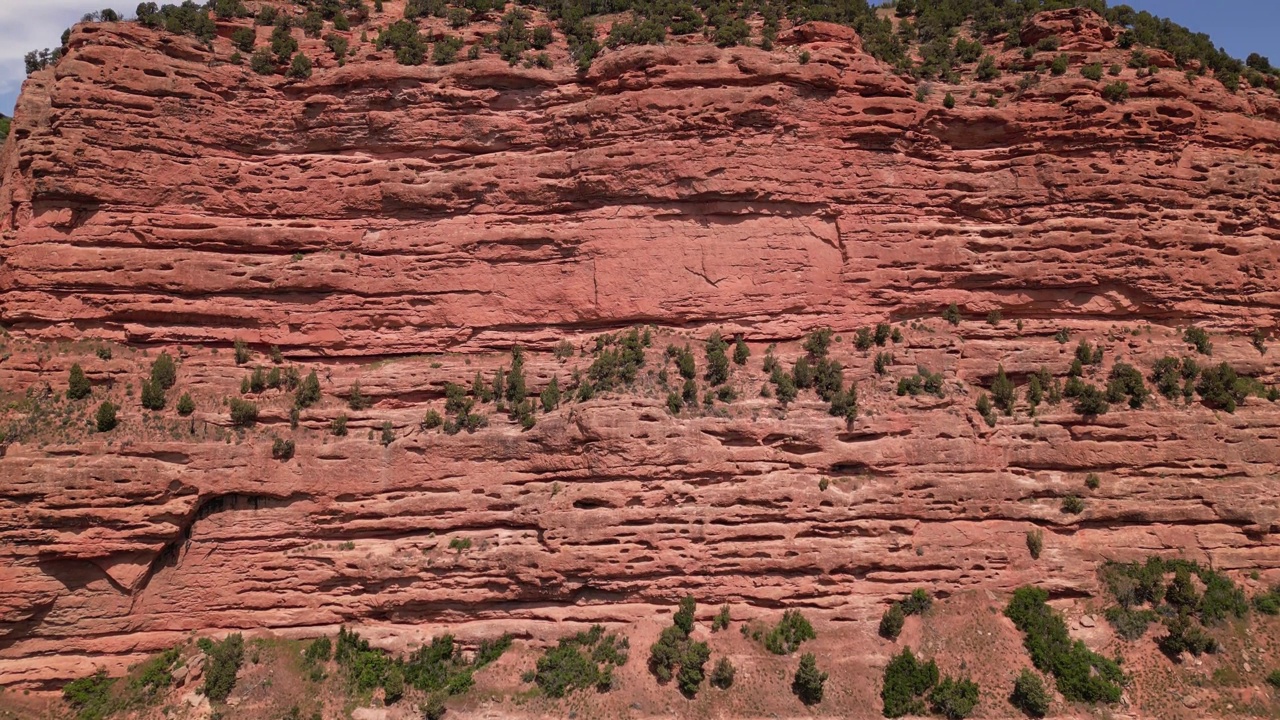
(403, 227)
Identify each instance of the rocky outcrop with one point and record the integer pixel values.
(404, 227)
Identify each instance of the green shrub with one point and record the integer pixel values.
(918, 602)
(987, 69)
(1035, 542)
(954, 699)
(446, 50)
(1183, 635)
(922, 382)
(78, 386)
(1049, 44)
(721, 620)
(164, 372)
(152, 396)
(692, 662)
(994, 317)
(1126, 381)
(262, 62)
(906, 680)
(1090, 401)
(1093, 71)
(186, 405)
(1030, 695)
(717, 360)
(282, 449)
(241, 351)
(580, 661)
(299, 67)
(1072, 505)
(243, 413)
(809, 682)
(1129, 623)
(1199, 339)
(90, 696)
(244, 39)
(891, 621)
(105, 419)
(224, 659)
(949, 101)
(723, 673)
(1082, 675)
(1116, 92)
(1221, 388)
(550, 395)
(983, 406)
(308, 393)
(1273, 678)
(1002, 391)
(1060, 64)
(787, 635)
(388, 433)
(951, 314)
(1092, 481)
(404, 39)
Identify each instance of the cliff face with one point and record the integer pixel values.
(404, 227)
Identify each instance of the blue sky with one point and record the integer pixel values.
(1240, 26)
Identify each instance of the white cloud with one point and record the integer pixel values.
(26, 25)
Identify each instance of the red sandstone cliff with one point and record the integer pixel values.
(405, 226)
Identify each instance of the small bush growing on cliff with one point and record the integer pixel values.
(90, 696)
(300, 67)
(308, 393)
(987, 69)
(105, 418)
(283, 43)
(906, 680)
(243, 413)
(1035, 542)
(948, 101)
(338, 426)
(891, 621)
(1199, 339)
(740, 351)
(357, 400)
(1222, 388)
(723, 673)
(1090, 401)
(224, 659)
(244, 39)
(152, 396)
(952, 314)
(809, 682)
(242, 351)
(186, 405)
(1082, 675)
(1002, 391)
(581, 661)
(1030, 695)
(1116, 92)
(1093, 71)
(786, 636)
(954, 698)
(78, 386)
(1060, 64)
(1126, 381)
(262, 62)
(282, 449)
(717, 360)
(404, 39)
(446, 50)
